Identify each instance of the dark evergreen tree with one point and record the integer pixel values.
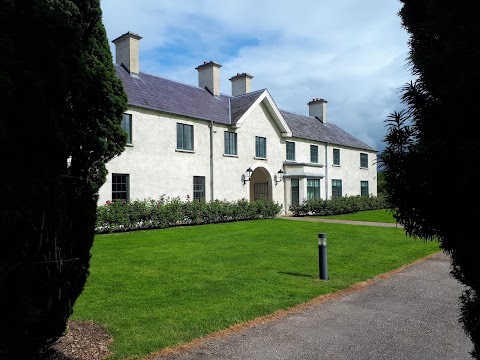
(432, 148)
(61, 111)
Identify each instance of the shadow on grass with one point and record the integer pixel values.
(296, 274)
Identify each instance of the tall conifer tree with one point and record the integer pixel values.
(61, 111)
(432, 149)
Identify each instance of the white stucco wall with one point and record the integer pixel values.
(154, 165)
(228, 170)
(350, 172)
(156, 168)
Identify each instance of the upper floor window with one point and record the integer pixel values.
(336, 157)
(184, 137)
(126, 125)
(313, 153)
(363, 160)
(364, 188)
(313, 189)
(290, 151)
(260, 147)
(199, 188)
(336, 188)
(230, 143)
(120, 187)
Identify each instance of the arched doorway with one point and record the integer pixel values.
(260, 185)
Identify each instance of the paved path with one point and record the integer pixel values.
(409, 314)
(338, 221)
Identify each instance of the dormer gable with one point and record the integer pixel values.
(264, 98)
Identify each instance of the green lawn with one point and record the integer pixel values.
(159, 288)
(369, 215)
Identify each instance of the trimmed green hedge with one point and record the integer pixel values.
(339, 205)
(165, 212)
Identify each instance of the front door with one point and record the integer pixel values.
(260, 191)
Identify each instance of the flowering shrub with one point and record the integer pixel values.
(338, 205)
(166, 212)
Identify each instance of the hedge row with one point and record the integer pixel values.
(165, 212)
(339, 205)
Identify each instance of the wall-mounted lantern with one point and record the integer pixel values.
(247, 175)
(279, 176)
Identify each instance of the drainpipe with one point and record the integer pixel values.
(326, 171)
(211, 160)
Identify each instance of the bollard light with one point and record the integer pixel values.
(322, 256)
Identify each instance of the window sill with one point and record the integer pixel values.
(335, 165)
(260, 158)
(129, 145)
(364, 168)
(185, 151)
(230, 155)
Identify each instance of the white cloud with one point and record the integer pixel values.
(352, 53)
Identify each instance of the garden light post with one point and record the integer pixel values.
(322, 256)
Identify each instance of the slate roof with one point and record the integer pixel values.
(240, 104)
(157, 93)
(153, 92)
(310, 128)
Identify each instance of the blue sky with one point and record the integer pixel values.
(352, 53)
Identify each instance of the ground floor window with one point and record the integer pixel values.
(120, 187)
(313, 189)
(295, 192)
(364, 188)
(336, 188)
(199, 188)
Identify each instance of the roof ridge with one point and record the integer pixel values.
(169, 79)
(249, 93)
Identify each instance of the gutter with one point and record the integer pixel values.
(211, 160)
(326, 170)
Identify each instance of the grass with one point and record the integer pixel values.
(368, 215)
(159, 288)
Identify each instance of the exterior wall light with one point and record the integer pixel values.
(279, 176)
(247, 175)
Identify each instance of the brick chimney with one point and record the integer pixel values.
(318, 108)
(126, 51)
(241, 84)
(209, 77)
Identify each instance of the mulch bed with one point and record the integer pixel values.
(84, 341)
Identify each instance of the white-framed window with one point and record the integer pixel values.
(126, 125)
(290, 151)
(336, 157)
(120, 187)
(295, 188)
(184, 137)
(313, 189)
(314, 154)
(364, 188)
(199, 188)
(260, 147)
(364, 160)
(336, 188)
(230, 143)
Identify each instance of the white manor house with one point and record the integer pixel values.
(194, 142)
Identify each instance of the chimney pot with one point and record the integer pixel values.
(209, 76)
(126, 51)
(241, 84)
(318, 108)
